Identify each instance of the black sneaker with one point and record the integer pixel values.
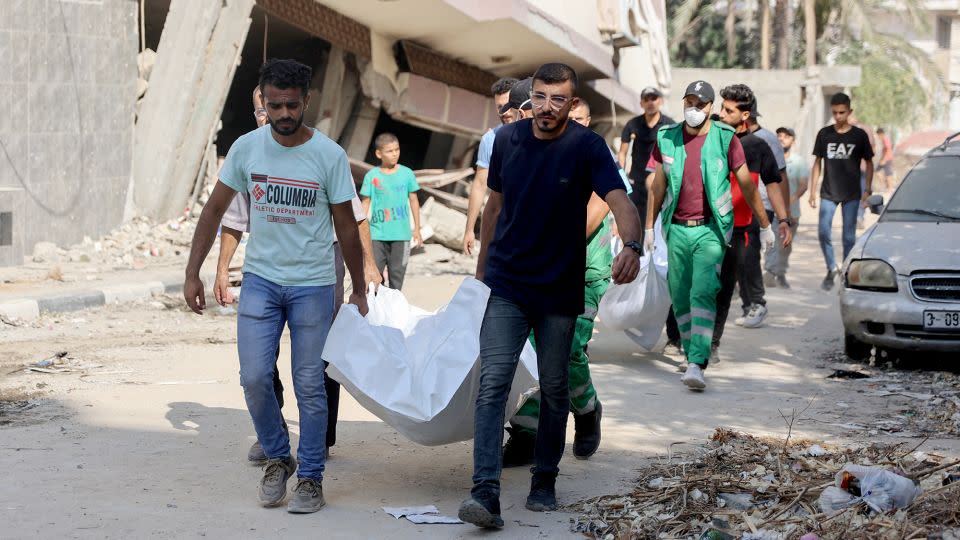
(828, 280)
(482, 510)
(307, 497)
(586, 434)
(543, 493)
(520, 448)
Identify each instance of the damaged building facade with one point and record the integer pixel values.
(143, 96)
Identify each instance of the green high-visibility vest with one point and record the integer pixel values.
(715, 170)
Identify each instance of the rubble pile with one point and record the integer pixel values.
(756, 488)
(132, 245)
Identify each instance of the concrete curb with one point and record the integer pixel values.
(30, 308)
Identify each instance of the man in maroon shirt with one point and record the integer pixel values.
(692, 187)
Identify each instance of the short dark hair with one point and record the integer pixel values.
(555, 72)
(880, 130)
(583, 103)
(284, 74)
(741, 94)
(384, 139)
(840, 99)
(502, 86)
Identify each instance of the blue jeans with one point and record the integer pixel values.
(505, 329)
(264, 309)
(825, 229)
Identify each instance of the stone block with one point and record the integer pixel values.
(447, 224)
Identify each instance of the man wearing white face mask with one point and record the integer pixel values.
(692, 186)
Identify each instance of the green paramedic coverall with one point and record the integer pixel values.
(695, 254)
(583, 397)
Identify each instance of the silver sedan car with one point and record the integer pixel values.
(901, 286)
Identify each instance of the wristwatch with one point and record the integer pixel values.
(635, 246)
(788, 221)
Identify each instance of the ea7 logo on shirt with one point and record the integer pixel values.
(840, 150)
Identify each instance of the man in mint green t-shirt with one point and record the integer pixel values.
(389, 195)
(300, 188)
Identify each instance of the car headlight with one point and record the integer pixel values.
(871, 274)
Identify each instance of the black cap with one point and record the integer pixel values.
(519, 96)
(702, 90)
(650, 91)
(788, 131)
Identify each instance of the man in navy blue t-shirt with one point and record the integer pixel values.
(533, 257)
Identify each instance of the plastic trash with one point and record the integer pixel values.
(880, 488)
(420, 371)
(816, 451)
(737, 501)
(834, 498)
(716, 534)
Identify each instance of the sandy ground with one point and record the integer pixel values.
(147, 436)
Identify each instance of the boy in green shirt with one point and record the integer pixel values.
(389, 198)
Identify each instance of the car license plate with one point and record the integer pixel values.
(941, 320)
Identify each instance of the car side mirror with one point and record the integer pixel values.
(875, 202)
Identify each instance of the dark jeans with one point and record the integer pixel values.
(741, 264)
(505, 329)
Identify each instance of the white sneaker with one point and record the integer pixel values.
(756, 316)
(693, 378)
(740, 320)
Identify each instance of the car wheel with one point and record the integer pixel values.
(856, 349)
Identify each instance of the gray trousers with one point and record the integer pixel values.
(777, 258)
(394, 256)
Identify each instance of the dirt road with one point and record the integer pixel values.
(147, 434)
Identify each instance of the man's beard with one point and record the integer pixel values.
(286, 131)
(542, 119)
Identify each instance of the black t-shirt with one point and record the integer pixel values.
(537, 257)
(841, 154)
(760, 158)
(642, 146)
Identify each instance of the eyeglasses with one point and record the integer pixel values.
(539, 100)
(293, 105)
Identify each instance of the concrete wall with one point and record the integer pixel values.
(778, 92)
(68, 71)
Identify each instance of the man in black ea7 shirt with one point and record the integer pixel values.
(533, 257)
(839, 149)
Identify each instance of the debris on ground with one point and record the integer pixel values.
(741, 486)
(919, 403)
(421, 515)
(49, 361)
(848, 374)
